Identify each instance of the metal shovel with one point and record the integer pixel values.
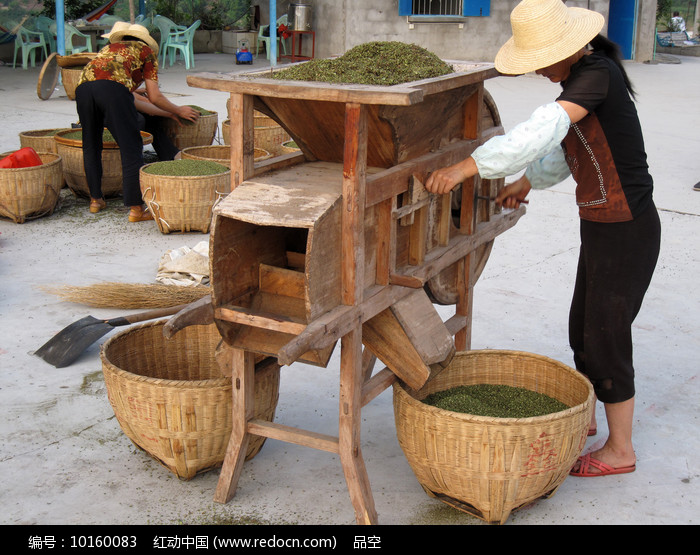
(69, 343)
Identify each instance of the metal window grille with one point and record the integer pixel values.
(437, 7)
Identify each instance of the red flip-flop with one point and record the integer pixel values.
(586, 462)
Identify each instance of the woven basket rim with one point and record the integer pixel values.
(182, 177)
(59, 138)
(403, 393)
(161, 382)
(34, 133)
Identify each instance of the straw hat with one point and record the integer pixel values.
(118, 26)
(135, 30)
(545, 32)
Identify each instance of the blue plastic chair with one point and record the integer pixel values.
(28, 42)
(182, 41)
(166, 27)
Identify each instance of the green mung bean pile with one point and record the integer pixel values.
(77, 135)
(182, 168)
(373, 63)
(499, 401)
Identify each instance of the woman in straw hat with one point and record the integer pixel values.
(592, 133)
(104, 99)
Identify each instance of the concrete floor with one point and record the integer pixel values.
(64, 459)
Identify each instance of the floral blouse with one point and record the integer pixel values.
(128, 63)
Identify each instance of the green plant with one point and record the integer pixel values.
(74, 9)
(216, 14)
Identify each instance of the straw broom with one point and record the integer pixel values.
(129, 295)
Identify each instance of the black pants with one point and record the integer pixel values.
(162, 143)
(615, 266)
(110, 104)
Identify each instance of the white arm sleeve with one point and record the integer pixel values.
(527, 142)
(548, 170)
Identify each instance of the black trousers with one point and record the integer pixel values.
(616, 263)
(110, 104)
(162, 143)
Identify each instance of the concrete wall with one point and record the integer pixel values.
(342, 24)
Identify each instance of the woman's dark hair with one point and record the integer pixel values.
(612, 51)
(129, 37)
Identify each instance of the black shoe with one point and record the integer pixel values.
(696, 187)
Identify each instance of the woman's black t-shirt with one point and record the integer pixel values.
(597, 84)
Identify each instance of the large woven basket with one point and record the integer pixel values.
(171, 399)
(488, 466)
(267, 135)
(183, 203)
(71, 150)
(200, 133)
(30, 193)
(41, 140)
(218, 153)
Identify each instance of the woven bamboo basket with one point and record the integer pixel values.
(289, 146)
(171, 399)
(267, 135)
(183, 203)
(188, 134)
(71, 150)
(41, 140)
(70, 77)
(30, 193)
(218, 153)
(488, 466)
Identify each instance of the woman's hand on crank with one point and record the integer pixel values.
(513, 195)
(445, 179)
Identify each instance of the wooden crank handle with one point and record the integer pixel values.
(197, 313)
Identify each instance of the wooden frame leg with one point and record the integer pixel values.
(351, 380)
(242, 364)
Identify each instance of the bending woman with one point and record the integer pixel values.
(591, 132)
(104, 99)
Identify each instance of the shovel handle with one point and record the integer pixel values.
(146, 315)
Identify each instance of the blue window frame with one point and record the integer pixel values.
(470, 8)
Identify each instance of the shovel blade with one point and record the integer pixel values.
(68, 344)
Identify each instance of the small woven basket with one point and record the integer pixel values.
(183, 203)
(200, 133)
(488, 466)
(218, 153)
(71, 150)
(30, 193)
(70, 77)
(41, 140)
(171, 399)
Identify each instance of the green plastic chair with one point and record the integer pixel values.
(70, 32)
(166, 27)
(28, 42)
(43, 24)
(266, 40)
(182, 41)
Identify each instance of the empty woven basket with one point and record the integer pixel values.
(171, 399)
(489, 466)
(29, 193)
(220, 154)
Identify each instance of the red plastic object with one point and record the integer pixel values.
(22, 158)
